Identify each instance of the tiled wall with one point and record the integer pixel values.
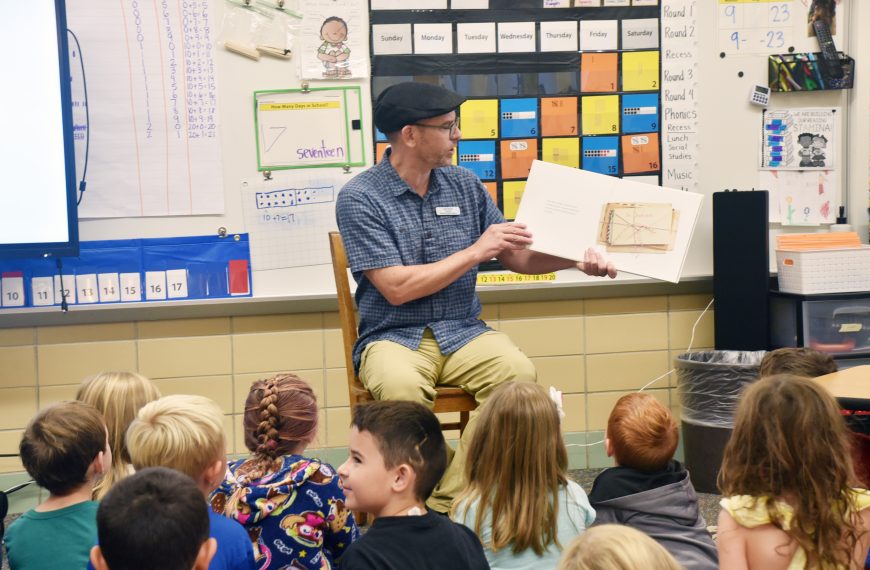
(593, 350)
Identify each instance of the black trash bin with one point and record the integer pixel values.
(709, 384)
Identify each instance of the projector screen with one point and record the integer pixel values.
(37, 168)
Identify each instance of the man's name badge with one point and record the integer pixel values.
(447, 211)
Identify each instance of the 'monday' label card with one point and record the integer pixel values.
(433, 38)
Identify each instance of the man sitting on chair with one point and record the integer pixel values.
(415, 229)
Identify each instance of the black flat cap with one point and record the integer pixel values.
(406, 103)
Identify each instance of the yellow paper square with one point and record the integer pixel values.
(478, 119)
(640, 71)
(512, 193)
(562, 151)
(600, 114)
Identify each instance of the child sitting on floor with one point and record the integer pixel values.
(519, 500)
(648, 489)
(65, 448)
(788, 483)
(292, 506)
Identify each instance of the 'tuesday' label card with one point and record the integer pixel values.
(476, 38)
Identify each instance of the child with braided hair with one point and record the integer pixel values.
(292, 506)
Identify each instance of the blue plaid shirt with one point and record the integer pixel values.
(384, 223)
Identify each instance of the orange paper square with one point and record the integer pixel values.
(598, 72)
(380, 149)
(492, 188)
(558, 116)
(640, 153)
(517, 156)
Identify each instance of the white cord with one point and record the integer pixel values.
(654, 380)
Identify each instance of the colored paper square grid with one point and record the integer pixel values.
(640, 71)
(512, 193)
(519, 118)
(517, 157)
(559, 116)
(478, 119)
(640, 153)
(600, 114)
(564, 151)
(379, 136)
(598, 72)
(601, 154)
(478, 157)
(640, 112)
(492, 190)
(380, 149)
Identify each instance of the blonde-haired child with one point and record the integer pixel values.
(292, 506)
(648, 489)
(788, 482)
(118, 396)
(616, 547)
(186, 433)
(519, 500)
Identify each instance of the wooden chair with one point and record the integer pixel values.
(446, 399)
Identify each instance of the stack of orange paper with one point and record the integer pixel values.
(804, 242)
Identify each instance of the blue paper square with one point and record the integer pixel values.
(640, 113)
(601, 154)
(519, 118)
(478, 157)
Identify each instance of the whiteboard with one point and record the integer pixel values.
(728, 151)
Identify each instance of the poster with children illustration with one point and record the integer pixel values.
(799, 139)
(333, 40)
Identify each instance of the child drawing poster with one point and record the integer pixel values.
(799, 139)
(333, 43)
(808, 198)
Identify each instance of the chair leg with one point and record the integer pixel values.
(463, 421)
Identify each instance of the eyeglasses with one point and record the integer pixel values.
(451, 128)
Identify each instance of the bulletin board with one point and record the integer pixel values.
(714, 83)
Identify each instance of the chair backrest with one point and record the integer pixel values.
(346, 315)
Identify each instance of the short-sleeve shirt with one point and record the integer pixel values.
(384, 223)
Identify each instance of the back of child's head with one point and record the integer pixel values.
(801, 361)
(153, 519)
(519, 481)
(616, 547)
(280, 415)
(60, 444)
(642, 432)
(791, 443)
(118, 396)
(406, 433)
(182, 432)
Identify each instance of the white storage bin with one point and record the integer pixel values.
(816, 271)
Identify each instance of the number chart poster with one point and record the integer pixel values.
(545, 80)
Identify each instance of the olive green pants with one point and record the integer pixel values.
(391, 371)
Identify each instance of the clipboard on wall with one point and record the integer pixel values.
(309, 128)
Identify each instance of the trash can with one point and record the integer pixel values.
(709, 384)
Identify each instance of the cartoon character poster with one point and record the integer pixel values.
(333, 40)
(799, 139)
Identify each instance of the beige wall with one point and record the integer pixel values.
(593, 350)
